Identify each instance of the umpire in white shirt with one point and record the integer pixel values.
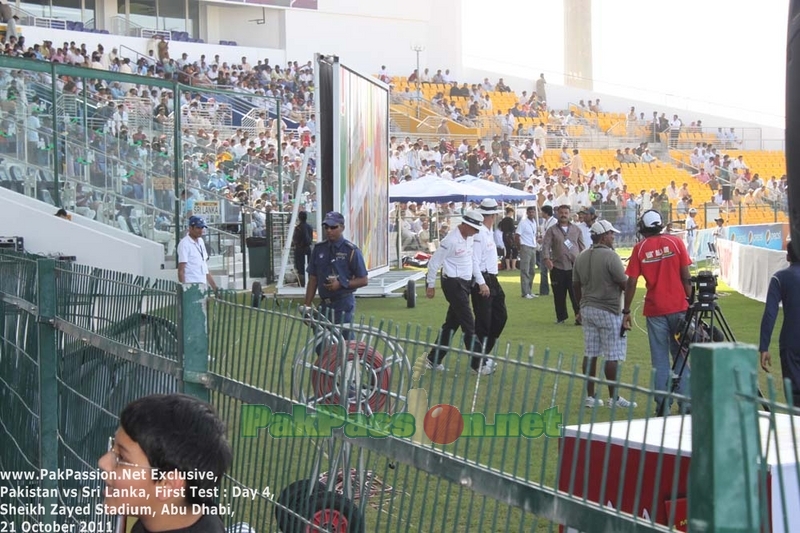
(459, 272)
(490, 312)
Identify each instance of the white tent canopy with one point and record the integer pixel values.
(495, 190)
(464, 189)
(434, 189)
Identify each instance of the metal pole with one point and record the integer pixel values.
(418, 84)
(193, 340)
(792, 129)
(243, 245)
(56, 162)
(287, 246)
(177, 163)
(715, 403)
(280, 157)
(417, 48)
(317, 150)
(48, 374)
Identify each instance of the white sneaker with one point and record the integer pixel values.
(622, 402)
(531, 296)
(485, 370)
(431, 366)
(591, 401)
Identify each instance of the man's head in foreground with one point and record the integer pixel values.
(176, 451)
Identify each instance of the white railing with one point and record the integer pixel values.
(121, 25)
(51, 23)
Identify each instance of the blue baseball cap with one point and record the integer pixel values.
(197, 222)
(333, 218)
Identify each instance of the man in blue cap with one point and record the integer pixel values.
(339, 263)
(193, 256)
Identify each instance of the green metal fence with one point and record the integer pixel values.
(78, 344)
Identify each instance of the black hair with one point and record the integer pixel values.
(548, 210)
(179, 432)
(650, 232)
(791, 254)
(61, 213)
(303, 216)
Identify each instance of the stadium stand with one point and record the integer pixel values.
(494, 113)
(115, 138)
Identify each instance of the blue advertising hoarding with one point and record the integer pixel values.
(762, 235)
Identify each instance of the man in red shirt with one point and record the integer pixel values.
(664, 262)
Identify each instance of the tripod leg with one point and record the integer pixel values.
(724, 327)
(679, 360)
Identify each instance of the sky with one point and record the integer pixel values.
(716, 56)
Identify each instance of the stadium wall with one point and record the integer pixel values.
(233, 23)
(367, 35)
(91, 242)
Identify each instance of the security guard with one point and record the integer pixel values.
(339, 263)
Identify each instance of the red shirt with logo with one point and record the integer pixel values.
(659, 259)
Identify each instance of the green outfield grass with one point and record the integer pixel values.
(531, 322)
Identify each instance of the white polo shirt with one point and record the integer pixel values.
(194, 254)
(454, 257)
(484, 252)
(527, 232)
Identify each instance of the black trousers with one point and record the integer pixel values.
(490, 313)
(301, 259)
(459, 315)
(561, 280)
(790, 368)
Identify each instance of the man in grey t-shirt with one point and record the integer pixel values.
(598, 279)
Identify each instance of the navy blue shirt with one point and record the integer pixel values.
(341, 258)
(784, 287)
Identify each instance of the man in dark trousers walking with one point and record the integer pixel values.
(490, 312)
(560, 247)
(784, 288)
(459, 272)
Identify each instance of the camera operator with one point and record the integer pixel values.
(664, 262)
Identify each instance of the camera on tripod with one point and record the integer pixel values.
(703, 322)
(705, 287)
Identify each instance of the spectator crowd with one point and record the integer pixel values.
(116, 139)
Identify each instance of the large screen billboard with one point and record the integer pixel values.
(361, 187)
